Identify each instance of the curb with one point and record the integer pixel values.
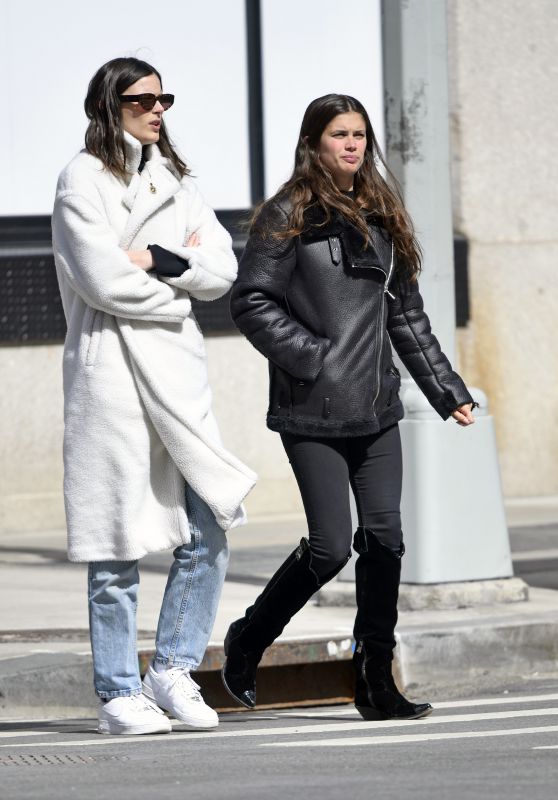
(442, 653)
(293, 672)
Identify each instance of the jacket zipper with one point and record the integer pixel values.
(387, 277)
(381, 347)
(386, 284)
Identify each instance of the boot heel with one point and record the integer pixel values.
(371, 714)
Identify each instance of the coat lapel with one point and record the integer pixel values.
(138, 197)
(142, 202)
(360, 255)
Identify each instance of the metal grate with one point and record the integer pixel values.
(30, 304)
(55, 760)
(43, 760)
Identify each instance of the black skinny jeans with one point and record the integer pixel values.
(324, 468)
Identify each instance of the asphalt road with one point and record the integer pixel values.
(495, 747)
(535, 555)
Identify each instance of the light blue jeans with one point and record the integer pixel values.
(187, 613)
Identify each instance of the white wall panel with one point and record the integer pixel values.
(49, 52)
(312, 48)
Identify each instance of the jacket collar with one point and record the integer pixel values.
(376, 254)
(138, 197)
(133, 148)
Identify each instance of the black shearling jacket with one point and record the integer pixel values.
(323, 311)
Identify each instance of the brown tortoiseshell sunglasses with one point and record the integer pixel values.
(147, 101)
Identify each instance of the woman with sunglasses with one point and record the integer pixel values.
(145, 469)
(327, 283)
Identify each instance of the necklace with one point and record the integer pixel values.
(152, 187)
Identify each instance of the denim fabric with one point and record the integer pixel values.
(187, 612)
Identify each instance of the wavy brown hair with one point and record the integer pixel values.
(104, 137)
(312, 185)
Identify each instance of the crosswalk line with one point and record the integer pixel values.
(405, 739)
(476, 703)
(18, 734)
(331, 728)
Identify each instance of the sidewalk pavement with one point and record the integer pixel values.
(45, 661)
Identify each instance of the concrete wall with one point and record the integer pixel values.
(31, 427)
(31, 414)
(239, 379)
(503, 102)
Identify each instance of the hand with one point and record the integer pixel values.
(141, 258)
(193, 240)
(464, 414)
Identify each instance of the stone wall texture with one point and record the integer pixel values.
(31, 431)
(503, 78)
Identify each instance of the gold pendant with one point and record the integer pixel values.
(152, 189)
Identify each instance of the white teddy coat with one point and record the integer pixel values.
(137, 404)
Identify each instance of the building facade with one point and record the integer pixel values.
(243, 72)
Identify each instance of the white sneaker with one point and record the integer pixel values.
(132, 715)
(176, 692)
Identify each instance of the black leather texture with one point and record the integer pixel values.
(323, 308)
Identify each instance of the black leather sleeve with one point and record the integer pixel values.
(258, 301)
(418, 348)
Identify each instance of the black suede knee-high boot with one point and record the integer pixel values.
(377, 574)
(287, 592)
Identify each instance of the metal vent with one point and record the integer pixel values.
(43, 760)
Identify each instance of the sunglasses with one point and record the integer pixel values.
(147, 101)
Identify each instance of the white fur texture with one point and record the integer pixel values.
(137, 404)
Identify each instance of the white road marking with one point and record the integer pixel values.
(490, 701)
(535, 555)
(305, 730)
(113, 740)
(426, 737)
(14, 734)
(546, 747)
(341, 712)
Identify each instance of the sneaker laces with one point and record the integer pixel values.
(141, 703)
(182, 679)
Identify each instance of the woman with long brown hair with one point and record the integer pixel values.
(328, 279)
(144, 467)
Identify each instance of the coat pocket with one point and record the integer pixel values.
(280, 399)
(95, 333)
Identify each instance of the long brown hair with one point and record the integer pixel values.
(312, 184)
(104, 138)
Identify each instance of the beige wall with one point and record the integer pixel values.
(31, 428)
(504, 110)
(239, 379)
(31, 437)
